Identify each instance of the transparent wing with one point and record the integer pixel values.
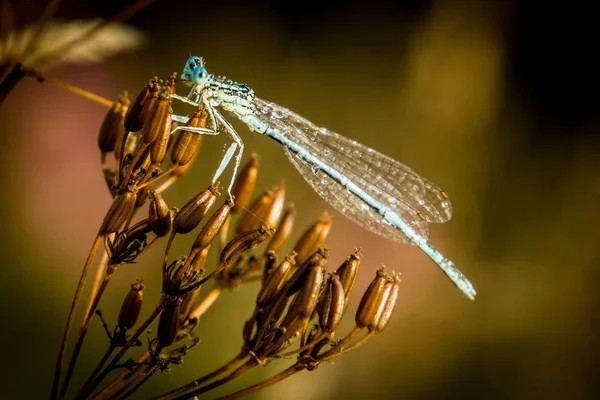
(416, 199)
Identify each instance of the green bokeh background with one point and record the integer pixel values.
(492, 100)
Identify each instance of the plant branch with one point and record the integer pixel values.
(75, 302)
(277, 378)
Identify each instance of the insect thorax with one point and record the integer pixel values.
(232, 96)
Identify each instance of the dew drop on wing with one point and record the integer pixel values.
(315, 169)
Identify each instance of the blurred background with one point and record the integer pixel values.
(497, 102)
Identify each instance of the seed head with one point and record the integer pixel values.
(372, 300)
(113, 126)
(347, 273)
(275, 282)
(242, 243)
(313, 238)
(389, 303)
(187, 144)
(131, 307)
(213, 226)
(159, 119)
(120, 211)
(159, 215)
(195, 210)
(136, 115)
(284, 230)
(168, 323)
(331, 304)
(245, 183)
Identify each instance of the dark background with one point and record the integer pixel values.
(495, 101)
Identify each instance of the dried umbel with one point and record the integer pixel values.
(299, 306)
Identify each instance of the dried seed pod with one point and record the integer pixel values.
(168, 323)
(274, 212)
(275, 282)
(171, 83)
(131, 307)
(113, 126)
(195, 210)
(389, 303)
(257, 212)
(307, 297)
(242, 243)
(331, 304)
(284, 230)
(296, 280)
(372, 300)
(158, 149)
(213, 226)
(159, 119)
(120, 211)
(187, 144)
(245, 183)
(136, 115)
(159, 215)
(348, 272)
(313, 238)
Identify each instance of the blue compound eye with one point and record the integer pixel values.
(194, 70)
(199, 75)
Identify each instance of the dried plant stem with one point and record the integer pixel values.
(71, 88)
(307, 346)
(135, 383)
(207, 377)
(271, 381)
(97, 279)
(220, 382)
(84, 327)
(89, 387)
(352, 347)
(123, 377)
(204, 305)
(75, 302)
(339, 347)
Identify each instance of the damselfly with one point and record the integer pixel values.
(375, 191)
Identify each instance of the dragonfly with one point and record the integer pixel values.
(375, 191)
